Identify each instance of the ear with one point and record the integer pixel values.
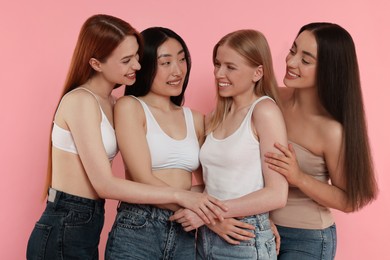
(258, 74)
(95, 64)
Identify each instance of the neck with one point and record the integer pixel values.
(99, 87)
(163, 103)
(307, 100)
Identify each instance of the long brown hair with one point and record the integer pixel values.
(339, 90)
(98, 38)
(253, 47)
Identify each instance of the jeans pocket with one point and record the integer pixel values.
(37, 242)
(130, 220)
(271, 247)
(78, 218)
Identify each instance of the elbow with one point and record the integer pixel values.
(281, 202)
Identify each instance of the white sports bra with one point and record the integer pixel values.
(63, 139)
(169, 153)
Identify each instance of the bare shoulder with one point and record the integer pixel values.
(331, 133)
(79, 103)
(198, 116)
(266, 108)
(127, 102)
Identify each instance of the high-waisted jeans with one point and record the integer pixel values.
(145, 232)
(307, 244)
(69, 228)
(211, 246)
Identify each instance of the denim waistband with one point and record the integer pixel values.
(259, 220)
(148, 211)
(62, 198)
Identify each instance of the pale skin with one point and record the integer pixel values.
(88, 174)
(310, 126)
(236, 79)
(131, 130)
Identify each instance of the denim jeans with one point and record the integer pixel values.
(307, 244)
(69, 228)
(144, 232)
(211, 246)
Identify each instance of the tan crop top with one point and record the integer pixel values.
(301, 211)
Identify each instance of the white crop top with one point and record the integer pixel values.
(169, 153)
(232, 166)
(63, 139)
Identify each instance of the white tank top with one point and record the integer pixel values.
(232, 166)
(169, 153)
(63, 139)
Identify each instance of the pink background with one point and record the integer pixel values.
(37, 40)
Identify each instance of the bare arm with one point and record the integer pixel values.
(83, 119)
(270, 127)
(331, 195)
(130, 126)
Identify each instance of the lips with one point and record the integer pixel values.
(174, 83)
(291, 75)
(224, 84)
(130, 75)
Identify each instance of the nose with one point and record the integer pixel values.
(291, 60)
(135, 65)
(219, 72)
(176, 69)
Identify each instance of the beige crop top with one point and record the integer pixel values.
(301, 211)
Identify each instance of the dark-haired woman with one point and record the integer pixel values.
(328, 161)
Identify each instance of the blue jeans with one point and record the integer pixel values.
(144, 232)
(211, 246)
(69, 228)
(307, 244)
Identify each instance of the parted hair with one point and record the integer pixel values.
(153, 38)
(99, 36)
(339, 90)
(253, 47)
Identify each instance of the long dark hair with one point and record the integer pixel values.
(98, 38)
(339, 90)
(153, 38)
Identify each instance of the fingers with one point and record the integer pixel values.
(230, 240)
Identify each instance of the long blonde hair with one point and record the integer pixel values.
(253, 47)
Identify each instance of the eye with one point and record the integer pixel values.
(231, 67)
(292, 51)
(217, 65)
(183, 59)
(305, 62)
(126, 61)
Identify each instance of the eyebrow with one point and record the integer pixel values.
(169, 55)
(306, 52)
(129, 56)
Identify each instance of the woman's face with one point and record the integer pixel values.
(121, 66)
(301, 62)
(233, 75)
(171, 69)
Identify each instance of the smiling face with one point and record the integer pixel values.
(171, 69)
(233, 75)
(121, 66)
(301, 62)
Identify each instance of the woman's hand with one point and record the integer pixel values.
(285, 164)
(206, 207)
(277, 236)
(188, 219)
(233, 231)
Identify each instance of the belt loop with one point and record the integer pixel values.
(54, 196)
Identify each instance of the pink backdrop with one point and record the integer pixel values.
(37, 40)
